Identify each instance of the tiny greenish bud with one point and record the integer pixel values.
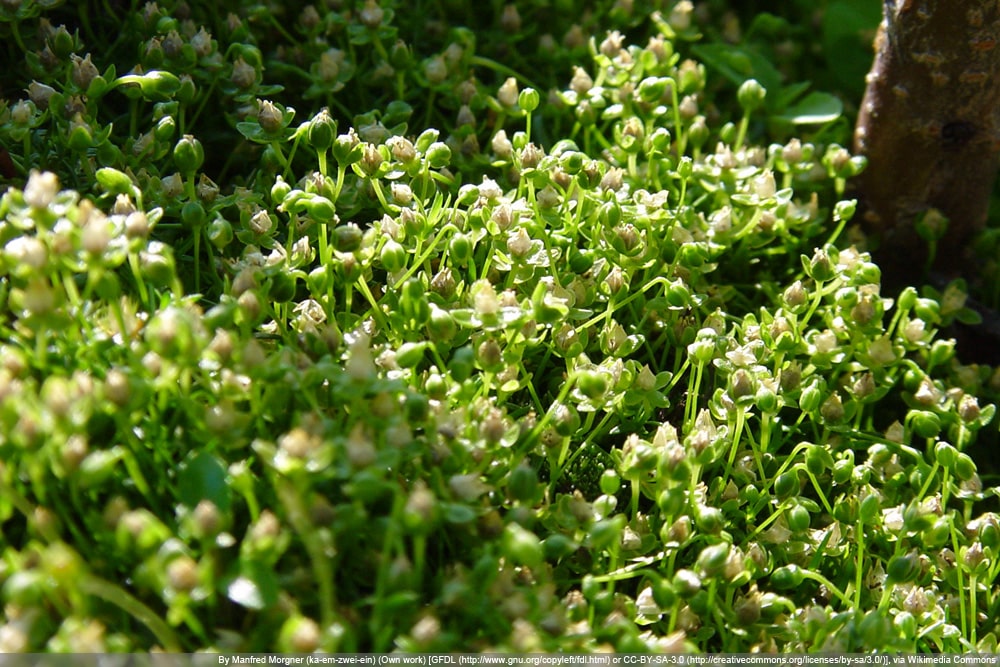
(207, 520)
(261, 222)
(322, 131)
(207, 190)
(188, 89)
(321, 209)
(371, 159)
(510, 19)
(371, 14)
(244, 75)
(182, 574)
(81, 137)
(795, 295)
(842, 470)
(751, 95)
(864, 311)
(698, 132)
(864, 386)
(269, 116)
(508, 93)
(279, 191)
(709, 519)
(968, 408)
(84, 71)
(300, 634)
(941, 352)
(189, 154)
(820, 267)
(435, 70)
(610, 482)
(832, 409)
(23, 112)
(528, 100)
(581, 83)
(741, 385)
(40, 94)
(347, 148)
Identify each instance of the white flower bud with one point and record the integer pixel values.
(41, 189)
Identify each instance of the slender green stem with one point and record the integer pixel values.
(122, 599)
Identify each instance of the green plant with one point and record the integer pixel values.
(481, 369)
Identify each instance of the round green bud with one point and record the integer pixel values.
(193, 214)
(220, 233)
(528, 99)
(751, 95)
(188, 154)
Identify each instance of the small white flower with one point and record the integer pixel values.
(914, 330)
(763, 185)
(825, 342)
(508, 93)
(27, 251)
(41, 189)
(881, 351)
(489, 189)
(518, 242)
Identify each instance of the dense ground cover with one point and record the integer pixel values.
(377, 326)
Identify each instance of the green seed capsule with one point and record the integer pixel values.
(282, 287)
(392, 256)
(686, 583)
(712, 559)
(664, 594)
(322, 210)
(786, 485)
(945, 454)
(925, 424)
(938, 534)
(347, 238)
(193, 214)
(965, 467)
(798, 518)
(522, 484)
(522, 546)
(220, 233)
(462, 363)
(528, 99)
(610, 482)
(871, 510)
(557, 546)
(903, 568)
(709, 519)
(460, 249)
(787, 577)
(410, 354)
(906, 625)
(606, 532)
(188, 154)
